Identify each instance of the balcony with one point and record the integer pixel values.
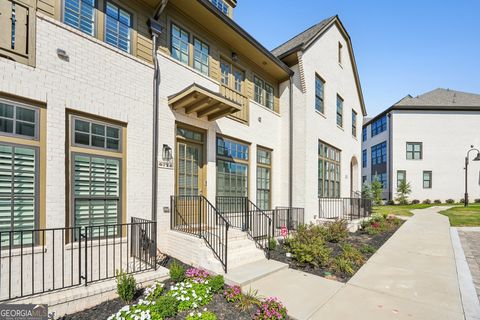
(17, 25)
(239, 99)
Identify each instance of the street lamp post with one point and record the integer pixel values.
(477, 158)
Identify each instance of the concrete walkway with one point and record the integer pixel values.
(413, 276)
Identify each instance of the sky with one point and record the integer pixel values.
(401, 47)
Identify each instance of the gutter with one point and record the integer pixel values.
(156, 30)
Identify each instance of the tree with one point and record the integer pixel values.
(366, 191)
(403, 190)
(377, 191)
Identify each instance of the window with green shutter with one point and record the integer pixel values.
(18, 193)
(96, 192)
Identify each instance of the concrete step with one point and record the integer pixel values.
(245, 274)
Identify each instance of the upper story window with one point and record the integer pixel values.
(239, 77)
(201, 56)
(364, 158)
(231, 76)
(319, 94)
(179, 39)
(226, 70)
(339, 111)
(414, 151)
(117, 27)
(427, 179)
(18, 120)
(354, 123)
(80, 14)
(264, 93)
(221, 5)
(364, 134)
(401, 177)
(379, 153)
(340, 53)
(379, 126)
(96, 135)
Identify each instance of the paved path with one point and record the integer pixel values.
(470, 239)
(413, 276)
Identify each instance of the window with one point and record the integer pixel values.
(382, 177)
(231, 76)
(414, 151)
(232, 168)
(18, 120)
(379, 153)
(364, 179)
(364, 134)
(364, 158)
(264, 169)
(179, 39)
(401, 176)
(340, 53)
(96, 192)
(221, 5)
(354, 124)
(80, 14)
(339, 111)
(97, 135)
(328, 170)
(201, 56)
(379, 126)
(264, 93)
(117, 27)
(319, 94)
(225, 69)
(427, 179)
(238, 77)
(18, 192)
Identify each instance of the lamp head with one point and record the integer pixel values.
(477, 158)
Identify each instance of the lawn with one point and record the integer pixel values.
(464, 216)
(402, 210)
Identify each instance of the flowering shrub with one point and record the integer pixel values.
(154, 291)
(380, 224)
(198, 275)
(140, 311)
(191, 294)
(206, 315)
(233, 294)
(271, 309)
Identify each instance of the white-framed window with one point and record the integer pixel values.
(179, 44)
(401, 176)
(264, 93)
(201, 56)
(427, 179)
(118, 23)
(221, 5)
(264, 178)
(319, 94)
(87, 133)
(329, 161)
(414, 151)
(18, 120)
(226, 70)
(80, 14)
(232, 168)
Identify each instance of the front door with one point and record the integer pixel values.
(189, 164)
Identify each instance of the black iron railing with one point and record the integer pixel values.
(344, 208)
(286, 217)
(195, 215)
(44, 260)
(245, 215)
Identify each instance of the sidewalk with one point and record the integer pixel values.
(413, 276)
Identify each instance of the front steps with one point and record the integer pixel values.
(248, 273)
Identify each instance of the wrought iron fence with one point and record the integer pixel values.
(288, 217)
(195, 215)
(344, 208)
(44, 260)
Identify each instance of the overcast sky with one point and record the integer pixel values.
(401, 47)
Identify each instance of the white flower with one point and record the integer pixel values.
(191, 314)
(204, 309)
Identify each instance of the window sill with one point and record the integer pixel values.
(321, 114)
(265, 108)
(341, 128)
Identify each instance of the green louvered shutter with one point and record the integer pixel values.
(18, 174)
(96, 193)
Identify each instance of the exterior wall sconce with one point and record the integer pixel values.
(234, 56)
(167, 153)
(62, 54)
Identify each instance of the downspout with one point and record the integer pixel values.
(290, 151)
(156, 31)
(390, 158)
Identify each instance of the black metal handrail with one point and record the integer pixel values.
(43, 260)
(344, 208)
(195, 215)
(245, 215)
(286, 217)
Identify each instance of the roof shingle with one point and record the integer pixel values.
(442, 98)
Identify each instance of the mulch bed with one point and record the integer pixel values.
(356, 239)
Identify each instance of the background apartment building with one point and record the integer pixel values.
(424, 140)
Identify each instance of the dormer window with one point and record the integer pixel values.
(221, 5)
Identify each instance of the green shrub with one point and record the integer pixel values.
(233, 293)
(191, 294)
(313, 252)
(427, 201)
(367, 249)
(380, 224)
(476, 200)
(450, 201)
(437, 201)
(336, 231)
(462, 200)
(271, 309)
(247, 300)
(166, 306)
(154, 291)
(415, 201)
(349, 260)
(272, 244)
(390, 203)
(216, 283)
(177, 272)
(403, 191)
(126, 286)
(206, 315)
(341, 265)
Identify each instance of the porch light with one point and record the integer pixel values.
(234, 56)
(166, 153)
(477, 158)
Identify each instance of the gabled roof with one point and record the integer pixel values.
(301, 39)
(302, 42)
(436, 100)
